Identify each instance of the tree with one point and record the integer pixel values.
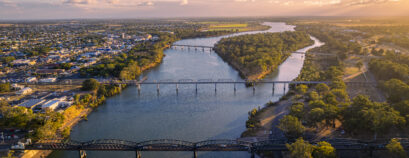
(291, 127)
(302, 89)
(90, 85)
(324, 150)
(395, 148)
(313, 95)
(300, 149)
(330, 98)
(5, 87)
(322, 88)
(297, 110)
(365, 115)
(315, 116)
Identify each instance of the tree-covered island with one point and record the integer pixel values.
(254, 56)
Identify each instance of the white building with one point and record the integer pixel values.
(51, 104)
(48, 80)
(24, 91)
(31, 79)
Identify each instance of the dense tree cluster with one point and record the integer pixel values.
(260, 53)
(393, 71)
(389, 34)
(396, 149)
(129, 65)
(5, 87)
(44, 125)
(337, 40)
(303, 149)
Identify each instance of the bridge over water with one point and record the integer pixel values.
(210, 48)
(197, 82)
(207, 145)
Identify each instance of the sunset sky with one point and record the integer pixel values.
(63, 9)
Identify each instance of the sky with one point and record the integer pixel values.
(83, 9)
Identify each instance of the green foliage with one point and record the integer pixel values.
(395, 148)
(291, 126)
(387, 69)
(324, 150)
(19, 117)
(316, 115)
(365, 115)
(4, 87)
(334, 73)
(297, 110)
(258, 53)
(338, 84)
(396, 90)
(302, 89)
(90, 85)
(129, 65)
(330, 98)
(341, 95)
(7, 59)
(300, 149)
(252, 121)
(66, 132)
(65, 66)
(322, 88)
(313, 95)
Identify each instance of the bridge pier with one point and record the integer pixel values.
(284, 88)
(274, 87)
(196, 87)
(177, 88)
(139, 89)
(157, 87)
(215, 87)
(138, 154)
(253, 155)
(194, 154)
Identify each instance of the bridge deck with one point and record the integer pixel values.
(208, 145)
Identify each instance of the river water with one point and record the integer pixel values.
(185, 115)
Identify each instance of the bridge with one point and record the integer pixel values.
(204, 81)
(207, 145)
(196, 48)
(203, 48)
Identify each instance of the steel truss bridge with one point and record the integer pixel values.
(204, 81)
(208, 145)
(210, 48)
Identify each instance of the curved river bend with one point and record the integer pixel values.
(186, 116)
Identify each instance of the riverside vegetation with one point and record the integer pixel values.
(325, 107)
(256, 55)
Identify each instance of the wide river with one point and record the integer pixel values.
(186, 115)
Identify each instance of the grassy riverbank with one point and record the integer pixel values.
(255, 56)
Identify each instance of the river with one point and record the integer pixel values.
(184, 115)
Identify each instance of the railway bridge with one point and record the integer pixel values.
(215, 82)
(207, 145)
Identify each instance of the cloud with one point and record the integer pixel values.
(245, 0)
(321, 2)
(366, 2)
(184, 2)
